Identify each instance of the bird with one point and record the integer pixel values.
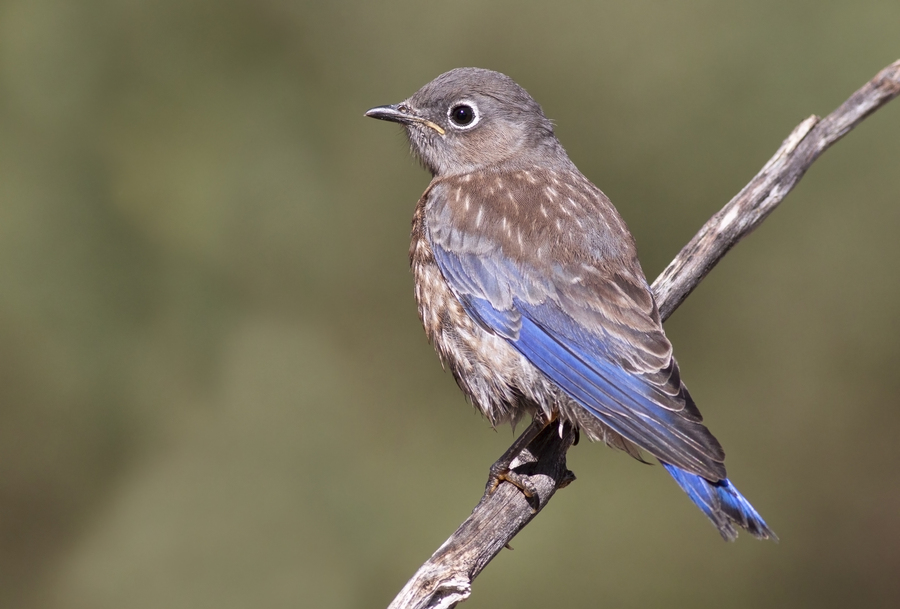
(529, 288)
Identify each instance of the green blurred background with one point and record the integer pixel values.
(214, 389)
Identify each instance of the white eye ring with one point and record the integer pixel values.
(463, 114)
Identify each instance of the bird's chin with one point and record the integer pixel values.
(424, 148)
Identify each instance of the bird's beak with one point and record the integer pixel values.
(401, 113)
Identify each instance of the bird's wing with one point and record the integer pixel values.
(570, 297)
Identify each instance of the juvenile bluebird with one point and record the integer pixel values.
(529, 288)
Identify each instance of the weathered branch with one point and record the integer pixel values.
(445, 579)
(765, 191)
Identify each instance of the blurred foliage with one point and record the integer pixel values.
(215, 391)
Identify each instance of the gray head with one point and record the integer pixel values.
(470, 118)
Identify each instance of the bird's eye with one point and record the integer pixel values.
(462, 115)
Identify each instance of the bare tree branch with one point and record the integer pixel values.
(765, 191)
(445, 579)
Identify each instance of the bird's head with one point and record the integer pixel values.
(469, 119)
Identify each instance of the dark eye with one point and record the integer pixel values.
(462, 115)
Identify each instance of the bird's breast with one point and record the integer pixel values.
(496, 378)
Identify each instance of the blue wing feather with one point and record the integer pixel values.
(594, 332)
(617, 398)
(574, 358)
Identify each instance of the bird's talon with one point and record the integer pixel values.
(520, 482)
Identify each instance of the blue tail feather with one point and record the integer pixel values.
(722, 504)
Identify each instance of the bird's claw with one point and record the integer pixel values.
(504, 474)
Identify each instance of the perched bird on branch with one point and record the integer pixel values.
(529, 288)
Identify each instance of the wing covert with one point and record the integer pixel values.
(593, 331)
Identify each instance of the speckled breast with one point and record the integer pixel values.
(496, 378)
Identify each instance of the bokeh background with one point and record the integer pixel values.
(214, 389)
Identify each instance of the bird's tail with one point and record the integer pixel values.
(722, 504)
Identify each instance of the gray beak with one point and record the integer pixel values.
(397, 113)
(403, 114)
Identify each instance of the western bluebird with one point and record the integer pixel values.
(529, 288)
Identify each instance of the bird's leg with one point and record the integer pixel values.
(500, 471)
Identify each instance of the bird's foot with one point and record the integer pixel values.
(500, 472)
